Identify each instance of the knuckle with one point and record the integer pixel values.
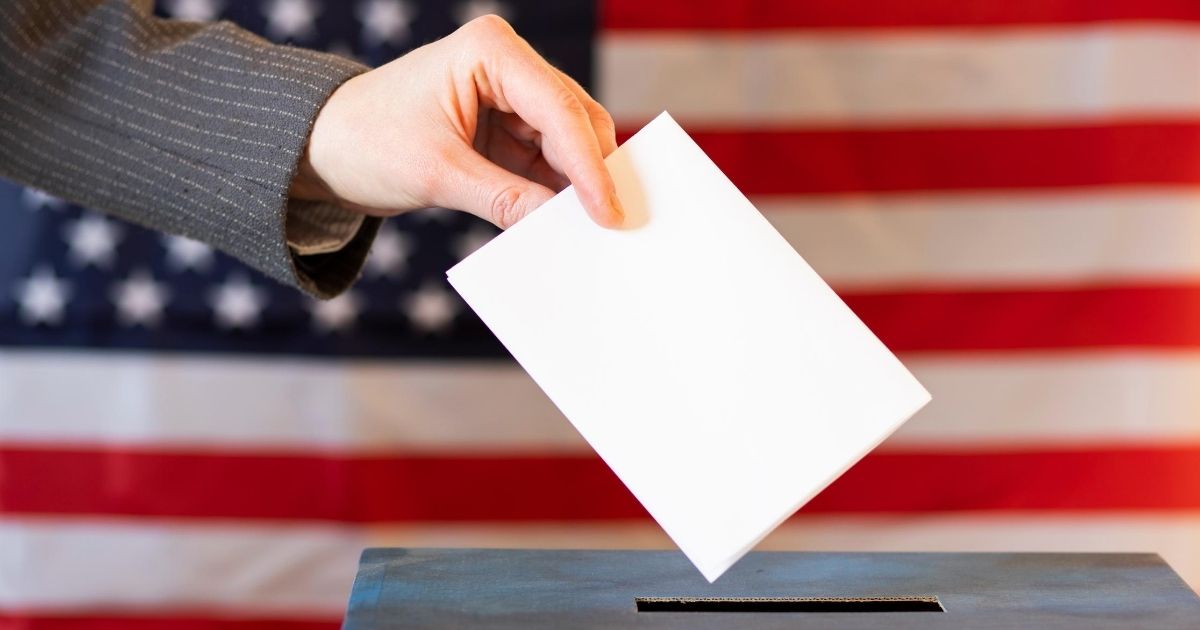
(568, 104)
(490, 23)
(505, 208)
(486, 37)
(602, 118)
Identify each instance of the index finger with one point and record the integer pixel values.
(525, 84)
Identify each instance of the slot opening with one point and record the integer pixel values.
(913, 603)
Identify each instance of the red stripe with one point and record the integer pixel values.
(1114, 478)
(776, 162)
(128, 481)
(171, 621)
(790, 14)
(1147, 316)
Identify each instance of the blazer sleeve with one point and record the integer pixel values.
(190, 128)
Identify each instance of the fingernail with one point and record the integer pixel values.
(618, 210)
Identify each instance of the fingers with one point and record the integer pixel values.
(517, 128)
(520, 81)
(523, 158)
(541, 172)
(568, 140)
(476, 185)
(602, 122)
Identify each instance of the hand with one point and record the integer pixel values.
(477, 121)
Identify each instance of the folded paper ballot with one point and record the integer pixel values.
(722, 380)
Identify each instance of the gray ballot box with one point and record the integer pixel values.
(493, 588)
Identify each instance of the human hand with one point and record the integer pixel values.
(476, 121)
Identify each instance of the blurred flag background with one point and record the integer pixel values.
(1007, 193)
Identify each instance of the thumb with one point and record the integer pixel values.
(490, 192)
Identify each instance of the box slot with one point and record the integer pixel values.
(915, 603)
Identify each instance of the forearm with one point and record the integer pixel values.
(195, 129)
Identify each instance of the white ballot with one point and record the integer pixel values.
(722, 380)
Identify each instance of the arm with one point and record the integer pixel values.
(195, 129)
(204, 130)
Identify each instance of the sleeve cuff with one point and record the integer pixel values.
(319, 228)
(327, 274)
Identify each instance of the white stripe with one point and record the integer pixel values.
(282, 404)
(306, 570)
(258, 570)
(1056, 399)
(1076, 236)
(1039, 400)
(942, 76)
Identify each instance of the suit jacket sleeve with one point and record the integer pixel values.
(190, 128)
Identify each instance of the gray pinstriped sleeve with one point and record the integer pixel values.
(189, 128)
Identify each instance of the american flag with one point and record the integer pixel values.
(1008, 193)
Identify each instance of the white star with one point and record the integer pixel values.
(236, 303)
(472, 9)
(195, 10)
(291, 18)
(389, 253)
(93, 240)
(42, 297)
(336, 314)
(35, 199)
(385, 20)
(473, 240)
(139, 300)
(184, 253)
(431, 308)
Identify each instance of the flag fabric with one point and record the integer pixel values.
(1007, 193)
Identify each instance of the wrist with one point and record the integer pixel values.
(307, 184)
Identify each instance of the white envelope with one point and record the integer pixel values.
(722, 380)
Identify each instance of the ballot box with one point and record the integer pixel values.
(491, 588)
